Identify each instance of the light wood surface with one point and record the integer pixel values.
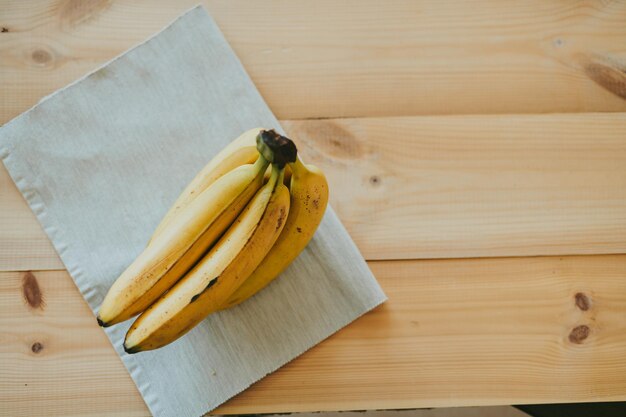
(55, 360)
(490, 185)
(455, 332)
(440, 187)
(495, 411)
(23, 243)
(349, 58)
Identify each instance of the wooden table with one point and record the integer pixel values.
(476, 154)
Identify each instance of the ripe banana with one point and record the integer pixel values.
(309, 197)
(239, 152)
(181, 243)
(216, 276)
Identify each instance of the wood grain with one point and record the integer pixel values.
(56, 361)
(23, 243)
(440, 187)
(454, 332)
(350, 58)
(475, 186)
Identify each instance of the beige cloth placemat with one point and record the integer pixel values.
(101, 161)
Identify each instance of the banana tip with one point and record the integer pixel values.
(131, 350)
(102, 323)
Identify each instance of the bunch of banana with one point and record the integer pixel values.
(233, 230)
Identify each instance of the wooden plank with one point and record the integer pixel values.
(498, 411)
(23, 243)
(475, 186)
(55, 360)
(442, 187)
(350, 58)
(453, 333)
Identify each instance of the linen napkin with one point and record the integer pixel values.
(101, 161)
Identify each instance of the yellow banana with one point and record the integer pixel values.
(239, 152)
(177, 248)
(309, 197)
(227, 264)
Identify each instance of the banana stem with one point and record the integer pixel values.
(278, 173)
(281, 176)
(261, 163)
(276, 148)
(297, 167)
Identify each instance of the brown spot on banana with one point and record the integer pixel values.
(209, 285)
(281, 218)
